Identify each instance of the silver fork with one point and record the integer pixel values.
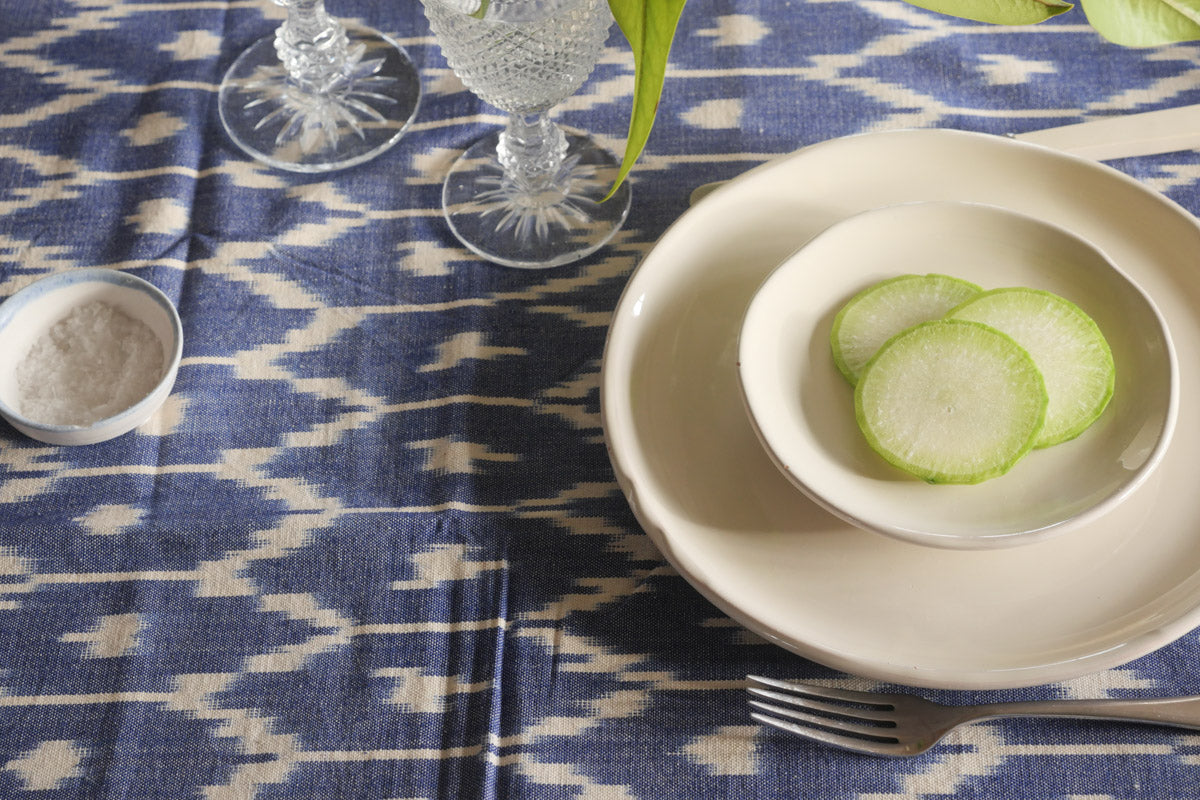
(905, 725)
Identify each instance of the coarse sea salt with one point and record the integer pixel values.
(94, 363)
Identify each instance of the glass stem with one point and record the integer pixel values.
(531, 150)
(311, 44)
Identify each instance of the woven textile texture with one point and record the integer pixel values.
(372, 547)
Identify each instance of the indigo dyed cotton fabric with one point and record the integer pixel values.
(372, 547)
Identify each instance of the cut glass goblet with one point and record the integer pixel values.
(530, 195)
(318, 96)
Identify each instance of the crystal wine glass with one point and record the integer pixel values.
(317, 96)
(530, 195)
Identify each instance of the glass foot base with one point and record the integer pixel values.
(359, 113)
(535, 230)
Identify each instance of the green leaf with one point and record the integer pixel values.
(998, 12)
(1144, 23)
(649, 26)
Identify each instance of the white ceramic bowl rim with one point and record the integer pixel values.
(13, 305)
(871, 605)
(910, 509)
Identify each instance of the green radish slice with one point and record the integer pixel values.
(882, 310)
(951, 401)
(1067, 347)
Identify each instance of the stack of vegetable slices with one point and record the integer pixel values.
(954, 384)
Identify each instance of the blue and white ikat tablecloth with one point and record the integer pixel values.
(372, 547)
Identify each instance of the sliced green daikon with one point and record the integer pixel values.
(1067, 346)
(951, 401)
(882, 310)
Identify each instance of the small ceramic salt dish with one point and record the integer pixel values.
(86, 355)
(802, 408)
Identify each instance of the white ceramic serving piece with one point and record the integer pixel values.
(29, 313)
(710, 498)
(803, 408)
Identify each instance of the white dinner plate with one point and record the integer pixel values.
(802, 407)
(713, 502)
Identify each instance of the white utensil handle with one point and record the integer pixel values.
(1146, 133)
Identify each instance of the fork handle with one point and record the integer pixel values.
(1181, 712)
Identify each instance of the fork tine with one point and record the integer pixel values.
(878, 712)
(847, 725)
(869, 746)
(826, 692)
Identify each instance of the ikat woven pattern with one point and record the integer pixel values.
(372, 547)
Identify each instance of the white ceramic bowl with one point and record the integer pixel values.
(803, 409)
(31, 312)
